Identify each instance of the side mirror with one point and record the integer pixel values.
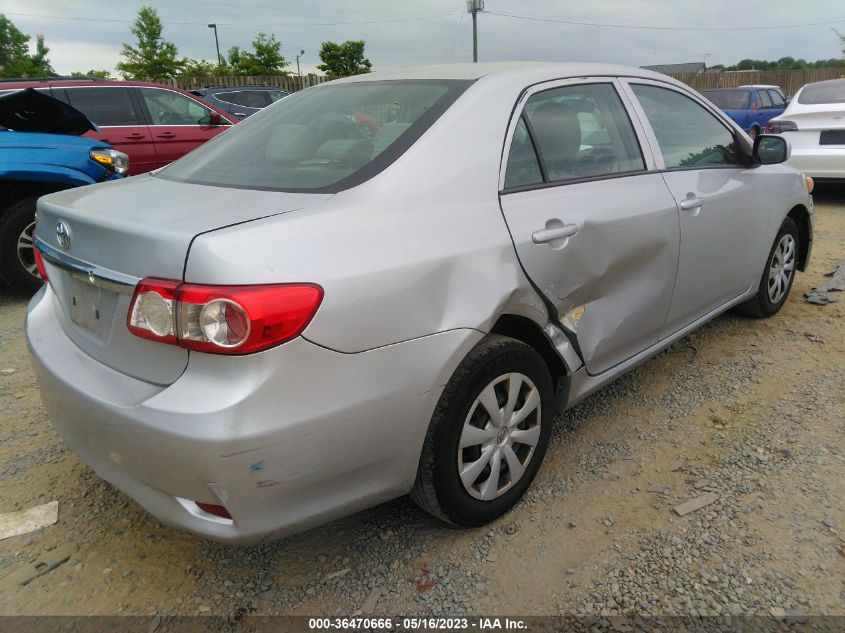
(770, 149)
(214, 118)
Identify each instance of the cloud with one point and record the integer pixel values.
(439, 31)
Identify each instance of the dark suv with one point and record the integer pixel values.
(152, 123)
(241, 101)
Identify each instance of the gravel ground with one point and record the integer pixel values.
(752, 412)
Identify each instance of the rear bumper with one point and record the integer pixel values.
(819, 162)
(285, 439)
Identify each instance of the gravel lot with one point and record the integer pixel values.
(751, 411)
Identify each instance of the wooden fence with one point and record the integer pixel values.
(789, 80)
(291, 83)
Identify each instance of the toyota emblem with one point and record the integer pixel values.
(63, 235)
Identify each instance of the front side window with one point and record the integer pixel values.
(325, 139)
(110, 106)
(688, 135)
(580, 132)
(173, 108)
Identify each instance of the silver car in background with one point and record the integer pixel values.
(389, 284)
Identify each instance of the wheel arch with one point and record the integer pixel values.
(801, 216)
(529, 332)
(19, 187)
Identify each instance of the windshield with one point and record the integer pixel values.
(728, 99)
(321, 140)
(823, 92)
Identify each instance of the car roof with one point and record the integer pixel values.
(742, 88)
(66, 83)
(227, 88)
(516, 73)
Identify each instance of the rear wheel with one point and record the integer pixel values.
(17, 256)
(488, 434)
(777, 278)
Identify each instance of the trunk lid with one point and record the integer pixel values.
(127, 230)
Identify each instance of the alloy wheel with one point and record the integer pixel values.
(499, 436)
(25, 250)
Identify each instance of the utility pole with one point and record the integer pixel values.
(301, 53)
(217, 44)
(473, 7)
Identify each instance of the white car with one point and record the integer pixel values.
(814, 123)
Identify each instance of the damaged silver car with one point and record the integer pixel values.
(389, 284)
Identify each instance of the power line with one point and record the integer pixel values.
(664, 28)
(236, 24)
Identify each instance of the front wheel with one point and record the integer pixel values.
(488, 434)
(777, 278)
(17, 255)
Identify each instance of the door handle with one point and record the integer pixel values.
(134, 137)
(544, 236)
(692, 203)
(240, 114)
(166, 135)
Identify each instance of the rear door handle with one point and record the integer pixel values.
(166, 135)
(692, 203)
(544, 236)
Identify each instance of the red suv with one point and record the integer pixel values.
(154, 124)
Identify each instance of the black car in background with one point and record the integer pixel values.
(241, 101)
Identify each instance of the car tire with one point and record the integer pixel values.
(17, 258)
(778, 274)
(517, 377)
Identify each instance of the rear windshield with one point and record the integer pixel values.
(728, 99)
(321, 140)
(823, 92)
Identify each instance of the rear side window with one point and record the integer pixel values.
(523, 166)
(581, 132)
(729, 99)
(777, 99)
(689, 136)
(246, 98)
(326, 139)
(765, 99)
(104, 105)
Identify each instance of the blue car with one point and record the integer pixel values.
(750, 106)
(42, 151)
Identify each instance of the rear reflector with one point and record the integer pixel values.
(216, 510)
(221, 319)
(40, 263)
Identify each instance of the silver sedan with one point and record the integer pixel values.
(389, 284)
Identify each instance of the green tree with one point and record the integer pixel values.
(201, 68)
(265, 59)
(153, 57)
(342, 60)
(91, 74)
(15, 60)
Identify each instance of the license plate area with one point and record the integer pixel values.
(90, 307)
(832, 137)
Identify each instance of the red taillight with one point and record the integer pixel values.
(216, 510)
(40, 263)
(222, 319)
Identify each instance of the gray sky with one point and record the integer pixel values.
(84, 34)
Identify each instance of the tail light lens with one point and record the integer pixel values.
(777, 127)
(222, 319)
